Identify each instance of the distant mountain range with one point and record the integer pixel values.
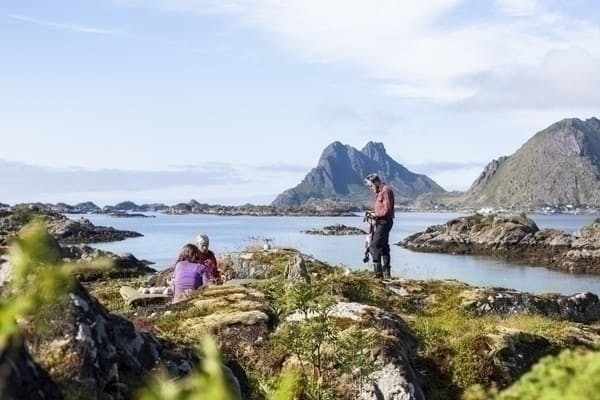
(559, 165)
(340, 172)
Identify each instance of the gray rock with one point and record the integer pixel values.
(107, 354)
(512, 352)
(296, 270)
(582, 307)
(23, 378)
(513, 237)
(394, 377)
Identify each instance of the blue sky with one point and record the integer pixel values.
(234, 101)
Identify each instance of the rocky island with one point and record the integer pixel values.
(336, 230)
(63, 229)
(324, 208)
(513, 237)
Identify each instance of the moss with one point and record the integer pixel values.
(572, 375)
(455, 346)
(278, 260)
(363, 287)
(107, 292)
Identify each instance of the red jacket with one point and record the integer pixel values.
(384, 203)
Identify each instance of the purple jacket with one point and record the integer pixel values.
(188, 276)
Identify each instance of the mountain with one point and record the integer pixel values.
(340, 172)
(558, 165)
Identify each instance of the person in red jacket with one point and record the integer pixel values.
(383, 214)
(208, 258)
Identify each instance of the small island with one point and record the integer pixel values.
(514, 237)
(336, 230)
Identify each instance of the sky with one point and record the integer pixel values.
(233, 101)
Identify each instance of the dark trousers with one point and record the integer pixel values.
(380, 245)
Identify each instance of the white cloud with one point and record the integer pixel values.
(565, 78)
(369, 122)
(416, 49)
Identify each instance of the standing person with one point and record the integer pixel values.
(189, 274)
(208, 258)
(383, 214)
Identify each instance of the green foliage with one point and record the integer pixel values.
(208, 382)
(38, 279)
(320, 347)
(572, 375)
(22, 216)
(454, 344)
(363, 287)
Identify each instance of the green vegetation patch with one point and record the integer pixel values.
(457, 348)
(572, 375)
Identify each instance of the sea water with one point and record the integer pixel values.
(164, 235)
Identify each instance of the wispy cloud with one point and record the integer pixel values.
(564, 78)
(24, 178)
(518, 8)
(371, 122)
(283, 168)
(212, 181)
(114, 32)
(70, 27)
(415, 49)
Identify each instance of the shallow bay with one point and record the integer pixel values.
(164, 236)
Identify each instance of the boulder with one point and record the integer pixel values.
(22, 377)
(394, 377)
(581, 307)
(512, 352)
(95, 353)
(125, 265)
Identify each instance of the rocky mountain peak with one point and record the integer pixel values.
(558, 165)
(375, 151)
(340, 172)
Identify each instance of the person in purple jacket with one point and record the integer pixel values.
(189, 274)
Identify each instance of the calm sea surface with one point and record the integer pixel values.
(164, 236)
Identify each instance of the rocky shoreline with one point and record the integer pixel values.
(63, 229)
(397, 324)
(515, 238)
(391, 339)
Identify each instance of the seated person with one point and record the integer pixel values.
(208, 258)
(190, 273)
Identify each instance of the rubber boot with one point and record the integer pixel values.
(377, 270)
(386, 269)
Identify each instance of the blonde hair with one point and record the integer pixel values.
(202, 238)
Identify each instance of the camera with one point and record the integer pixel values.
(366, 257)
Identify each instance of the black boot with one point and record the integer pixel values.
(386, 269)
(377, 270)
